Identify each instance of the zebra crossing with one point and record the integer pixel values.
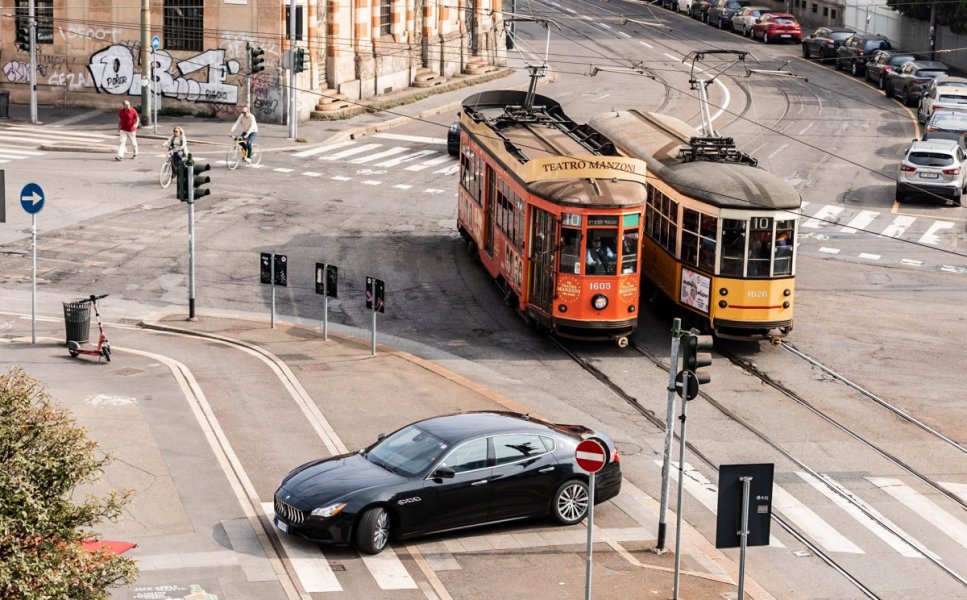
(21, 142)
(416, 154)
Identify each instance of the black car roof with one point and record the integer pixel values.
(873, 36)
(840, 29)
(457, 427)
(930, 65)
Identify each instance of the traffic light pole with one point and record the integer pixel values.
(293, 92)
(32, 19)
(248, 78)
(669, 426)
(681, 482)
(191, 241)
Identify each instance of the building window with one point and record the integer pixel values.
(833, 14)
(184, 25)
(815, 8)
(825, 11)
(44, 10)
(385, 17)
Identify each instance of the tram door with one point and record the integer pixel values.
(543, 237)
(490, 210)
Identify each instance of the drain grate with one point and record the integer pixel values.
(314, 367)
(337, 567)
(126, 371)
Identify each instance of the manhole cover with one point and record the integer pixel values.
(125, 371)
(627, 448)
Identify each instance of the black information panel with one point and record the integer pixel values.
(327, 280)
(729, 519)
(375, 288)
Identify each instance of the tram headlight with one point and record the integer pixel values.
(723, 304)
(785, 304)
(786, 292)
(562, 307)
(631, 308)
(723, 292)
(599, 301)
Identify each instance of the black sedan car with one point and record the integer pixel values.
(884, 61)
(453, 139)
(824, 41)
(443, 474)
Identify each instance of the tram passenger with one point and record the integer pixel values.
(760, 254)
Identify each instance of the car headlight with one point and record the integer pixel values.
(329, 511)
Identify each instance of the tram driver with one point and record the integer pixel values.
(600, 255)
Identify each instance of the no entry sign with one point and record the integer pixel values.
(590, 456)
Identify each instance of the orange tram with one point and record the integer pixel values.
(553, 213)
(719, 235)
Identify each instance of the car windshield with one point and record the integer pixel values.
(952, 99)
(408, 452)
(930, 159)
(896, 61)
(876, 45)
(948, 121)
(840, 35)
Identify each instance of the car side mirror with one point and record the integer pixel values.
(380, 437)
(444, 473)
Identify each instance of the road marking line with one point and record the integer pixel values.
(312, 174)
(824, 214)
(624, 34)
(410, 138)
(911, 262)
(378, 155)
(777, 151)
(931, 236)
(321, 149)
(371, 182)
(959, 489)
(860, 221)
(341, 178)
(898, 227)
(806, 128)
(448, 170)
(812, 524)
(870, 256)
(402, 186)
(433, 191)
(393, 162)
(9, 157)
(76, 118)
(879, 525)
(923, 506)
(351, 151)
(43, 130)
(388, 571)
(645, 44)
(829, 250)
(282, 170)
(308, 562)
(9, 150)
(952, 269)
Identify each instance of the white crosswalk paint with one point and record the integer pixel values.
(860, 221)
(322, 149)
(309, 564)
(351, 151)
(21, 151)
(448, 170)
(372, 182)
(393, 162)
(930, 237)
(341, 178)
(379, 155)
(402, 186)
(410, 138)
(54, 132)
(824, 214)
(911, 262)
(282, 170)
(829, 250)
(430, 163)
(959, 489)
(312, 174)
(76, 118)
(810, 523)
(388, 571)
(867, 256)
(923, 506)
(898, 227)
(864, 518)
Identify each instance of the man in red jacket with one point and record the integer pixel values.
(128, 123)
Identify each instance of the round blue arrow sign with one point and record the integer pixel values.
(32, 198)
(155, 42)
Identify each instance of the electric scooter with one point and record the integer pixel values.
(103, 346)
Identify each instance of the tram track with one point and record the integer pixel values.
(762, 436)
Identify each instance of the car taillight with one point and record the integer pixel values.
(907, 168)
(887, 68)
(953, 171)
(861, 53)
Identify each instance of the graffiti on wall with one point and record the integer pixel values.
(113, 72)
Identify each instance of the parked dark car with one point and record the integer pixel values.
(720, 12)
(824, 41)
(884, 61)
(429, 477)
(453, 139)
(777, 27)
(699, 10)
(906, 83)
(853, 53)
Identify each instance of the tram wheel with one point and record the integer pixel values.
(622, 341)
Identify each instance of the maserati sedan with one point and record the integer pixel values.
(443, 474)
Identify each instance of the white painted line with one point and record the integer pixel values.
(433, 191)
(385, 153)
(827, 213)
(9, 150)
(860, 221)
(4, 161)
(931, 236)
(308, 562)
(351, 151)
(806, 128)
(393, 162)
(388, 571)
(438, 160)
(675, 58)
(879, 529)
(605, 25)
(9, 157)
(372, 182)
(645, 44)
(312, 174)
(341, 178)
(911, 262)
(321, 149)
(959, 489)
(570, 10)
(866, 256)
(410, 138)
(952, 269)
(76, 118)
(282, 170)
(924, 507)
(810, 523)
(624, 34)
(829, 250)
(898, 227)
(45, 130)
(777, 150)
(600, 97)
(25, 138)
(402, 186)
(448, 170)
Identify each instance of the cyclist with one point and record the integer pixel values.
(177, 145)
(248, 128)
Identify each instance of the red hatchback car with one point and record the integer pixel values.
(777, 27)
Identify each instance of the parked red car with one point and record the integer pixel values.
(777, 27)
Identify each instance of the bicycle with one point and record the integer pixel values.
(167, 170)
(237, 152)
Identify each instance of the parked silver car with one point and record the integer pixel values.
(935, 168)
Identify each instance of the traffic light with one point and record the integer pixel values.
(200, 180)
(182, 173)
(696, 356)
(255, 59)
(299, 60)
(23, 35)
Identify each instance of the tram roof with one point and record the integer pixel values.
(657, 139)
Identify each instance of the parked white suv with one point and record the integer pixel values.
(934, 168)
(941, 97)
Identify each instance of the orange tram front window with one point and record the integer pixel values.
(608, 246)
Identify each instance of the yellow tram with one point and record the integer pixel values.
(719, 236)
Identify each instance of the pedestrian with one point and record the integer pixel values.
(128, 123)
(249, 129)
(177, 145)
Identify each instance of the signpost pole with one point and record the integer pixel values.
(272, 280)
(587, 577)
(32, 21)
(33, 285)
(325, 304)
(669, 427)
(743, 533)
(373, 292)
(681, 481)
(154, 88)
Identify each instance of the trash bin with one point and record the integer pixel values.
(77, 317)
(4, 104)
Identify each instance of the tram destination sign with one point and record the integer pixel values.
(603, 220)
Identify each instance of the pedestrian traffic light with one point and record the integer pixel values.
(255, 59)
(23, 35)
(299, 60)
(200, 180)
(696, 356)
(182, 173)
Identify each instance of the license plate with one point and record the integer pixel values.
(784, 35)
(283, 526)
(930, 175)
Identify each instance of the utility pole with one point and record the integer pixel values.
(32, 21)
(933, 31)
(293, 92)
(147, 68)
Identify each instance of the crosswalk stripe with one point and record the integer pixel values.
(390, 152)
(351, 151)
(824, 214)
(898, 227)
(430, 163)
(959, 489)
(410, 138)
(307, 560)
(321, 149)
(76, 118)
(448, 170)
(24, 151)
(9, 157)
(868, 256)
(810, 523)
(3, 161)
(860, 221)
(930, 237)
(388, 571)
(393, 162)
(923, 506)
(312, 174)
(887, 535)
(61, 134)
(24, 138)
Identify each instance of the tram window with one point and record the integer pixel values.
(784, 247)
(571, 251)
(760, 253)
(733, 246)
(689, 247)
(600, 254)
(629, 251)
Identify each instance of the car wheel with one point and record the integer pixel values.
(570, 502)
(854, 69)
(921, 118)
(746, 31)
(882, 82)
(905, 98)
(765, 38)
(900, 196)
(805, 51)
(372, 531)
(888, 90)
